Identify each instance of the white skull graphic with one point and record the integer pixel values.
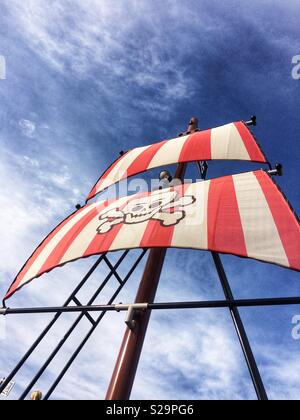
(164, 206)
(142, 209)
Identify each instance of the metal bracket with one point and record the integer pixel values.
(131, 310)
(277, 171)
(203, 167)
(252, 121)
(3, 311)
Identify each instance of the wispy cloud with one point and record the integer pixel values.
(96, 36)
(27, 127)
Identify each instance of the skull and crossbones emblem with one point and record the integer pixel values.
(167, 207)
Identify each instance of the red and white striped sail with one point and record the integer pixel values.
(243, 214)
(229, 142)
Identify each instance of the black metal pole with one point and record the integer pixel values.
(80, 347)
(243, 303)
(241, 332)
(50, 325)
(71, 329)
(237, 320)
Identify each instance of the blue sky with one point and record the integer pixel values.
(86, 79)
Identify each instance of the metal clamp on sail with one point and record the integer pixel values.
(277, 171)
(252, 121)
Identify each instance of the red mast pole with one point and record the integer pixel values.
(125, 369)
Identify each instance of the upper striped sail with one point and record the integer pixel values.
(229, 142)
(244, 215)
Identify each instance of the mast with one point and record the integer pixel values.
(131, 348)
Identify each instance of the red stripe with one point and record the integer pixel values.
(155, 234)
(36, 254)
(196, 147)
(97, 187)
(286, 223)
(225, 231)
(59, 251)
(102, 243)
(141, 163)
(253, 149)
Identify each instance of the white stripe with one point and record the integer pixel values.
(85, 237)
(39, 262)
(129, 236)
(169, 153)
(121, 167)
(261, 235)
(191, 232)
(226, 143)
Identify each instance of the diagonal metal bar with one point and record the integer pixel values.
(241, 332)
(50, 325)
(87, 315)
(80, 347)
(113, 270)
(236, 318)
(69, 332)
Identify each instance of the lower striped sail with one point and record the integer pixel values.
(244, 215)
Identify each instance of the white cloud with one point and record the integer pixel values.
(192, 355)
(134, 46)
(28, 128)
(84, 37)
(32, 162)
(30, 203)
(282, 373)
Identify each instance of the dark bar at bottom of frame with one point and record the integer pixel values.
(134, 409)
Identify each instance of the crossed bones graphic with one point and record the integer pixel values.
(164, 206)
